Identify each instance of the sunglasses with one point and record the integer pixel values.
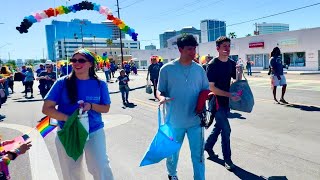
(82, 61)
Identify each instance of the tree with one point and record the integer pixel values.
(232, 35)
(11, 63)
(29, 62)
(109, 43)
(248, 35)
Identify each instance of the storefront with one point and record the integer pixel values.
(301, 48)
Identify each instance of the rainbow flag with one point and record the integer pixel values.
(44, 127)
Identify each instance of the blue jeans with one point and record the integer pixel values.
(107, 73)
(195, 137)
(124, 93)
(222, 127)
(249, 71)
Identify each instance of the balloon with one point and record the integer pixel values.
(84, 5)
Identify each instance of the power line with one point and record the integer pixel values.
(284, 12)
(264, 17)
(177, 9)
(138, 1)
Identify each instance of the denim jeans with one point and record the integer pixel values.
(249, 71)
(222, 127)
(124, 93)
(195, 137)
(107, 73)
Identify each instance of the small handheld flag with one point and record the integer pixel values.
(44, 127)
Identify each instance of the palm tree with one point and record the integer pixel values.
(248, 35)
(109, 43)
(232, 35)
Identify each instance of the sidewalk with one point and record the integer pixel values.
(290, 72)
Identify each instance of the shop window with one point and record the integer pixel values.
(296, 59)
(143, 63)
(257, 59)
(234, 57)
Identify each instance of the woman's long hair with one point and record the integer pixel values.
(275, 52)
(71, 81)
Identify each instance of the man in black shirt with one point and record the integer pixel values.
(219, 72)
(154, 70)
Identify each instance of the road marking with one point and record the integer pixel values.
(145, 103)
(41, 162)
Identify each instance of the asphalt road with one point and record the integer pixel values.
(274, 140)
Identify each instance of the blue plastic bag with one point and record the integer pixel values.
(247, 100)
(163, 144)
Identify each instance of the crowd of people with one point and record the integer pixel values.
(180, 95)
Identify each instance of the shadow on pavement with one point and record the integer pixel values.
(29, 100)
(235, 115)
(246, 175)
(131, 105)
(131, 89)
(303, 107)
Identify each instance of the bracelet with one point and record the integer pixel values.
(18, 151)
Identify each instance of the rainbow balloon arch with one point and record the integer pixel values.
(28, 21)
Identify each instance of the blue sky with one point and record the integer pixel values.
(149, 18)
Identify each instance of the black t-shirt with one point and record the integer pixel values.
(154, 70)
(220, 73)
(44, 82)
(123, 80)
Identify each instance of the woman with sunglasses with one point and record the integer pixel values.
(46, 79)
(82, 84)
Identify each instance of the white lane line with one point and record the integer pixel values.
(41, 163)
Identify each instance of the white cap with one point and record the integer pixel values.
(48, 62)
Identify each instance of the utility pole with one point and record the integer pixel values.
(120, 35)
(42, 53)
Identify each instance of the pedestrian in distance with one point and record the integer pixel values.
(81, 84)
(219, 73)
(123, 80)
(277, 77)
(46, 79)
(180, 82)
(153, 71)
(28, 81)
(248, 67)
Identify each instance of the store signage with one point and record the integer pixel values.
(256, 44)
(288, 42)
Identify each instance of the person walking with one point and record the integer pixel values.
(28, 81)
(82, 84)
(153, 71)
(106, 70)
(181, 81)
(219, 73)
(123, 86)
(248, 66)
(277, 77)
(46, 79)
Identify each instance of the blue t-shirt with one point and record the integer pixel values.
(183, 83)
(127, 67)
(97, 94)
(123, 80)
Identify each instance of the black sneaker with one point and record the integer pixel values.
(228, 164)
(283, 101)
(211, 153)
(173, 177)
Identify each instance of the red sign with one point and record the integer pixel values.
(256, 44)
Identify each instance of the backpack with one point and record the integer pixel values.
(207, 107)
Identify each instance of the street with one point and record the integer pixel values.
(274, 140)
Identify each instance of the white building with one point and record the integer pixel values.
(301, 46)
